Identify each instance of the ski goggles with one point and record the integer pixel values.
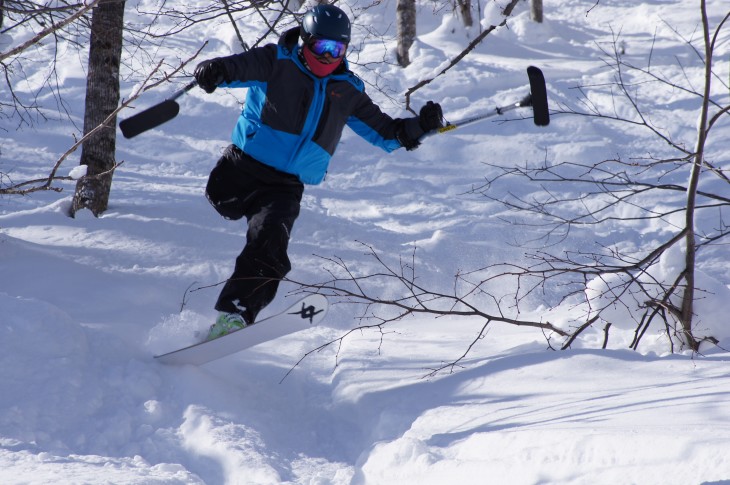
(335, 48)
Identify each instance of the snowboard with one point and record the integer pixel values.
(306, 312)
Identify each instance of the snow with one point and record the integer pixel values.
(86, 302)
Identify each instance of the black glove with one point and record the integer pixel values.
(409, 131)
(431, 117)
(210, 74)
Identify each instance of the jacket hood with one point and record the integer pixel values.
(289, 39)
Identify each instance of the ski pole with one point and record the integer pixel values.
(155, 115)
(452, 125)
(536, 99)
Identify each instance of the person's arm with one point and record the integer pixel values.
(236, 70)
(381, 130)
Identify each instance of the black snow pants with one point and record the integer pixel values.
(241, 186)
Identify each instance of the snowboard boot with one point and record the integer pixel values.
(225, 324)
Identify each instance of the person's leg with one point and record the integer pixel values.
(229, 189)
(264, 260)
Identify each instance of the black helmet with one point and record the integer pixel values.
(326, 22)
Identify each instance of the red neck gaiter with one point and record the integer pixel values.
(319, 69)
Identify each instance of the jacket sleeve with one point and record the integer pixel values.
(368, 121)
(250, 66)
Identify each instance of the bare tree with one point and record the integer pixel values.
(471, 296)
(36, 21)
(661, 188)
(536, 10)
(463, 7)
(698, 165)
(274, 14)
(69, 21)
(405, 18)
(102, 96)
(506, 13)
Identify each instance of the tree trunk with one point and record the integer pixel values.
(405, 18)
(464, 8)
(102, 97)
(536, 10)
(687, 308)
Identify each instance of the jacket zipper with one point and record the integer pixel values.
(312, 121)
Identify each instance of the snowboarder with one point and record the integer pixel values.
(299, 99)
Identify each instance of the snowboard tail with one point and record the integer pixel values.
(303, 314)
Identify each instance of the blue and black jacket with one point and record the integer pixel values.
(293, 120)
